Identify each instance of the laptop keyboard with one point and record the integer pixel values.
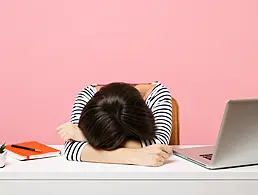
(207, 156)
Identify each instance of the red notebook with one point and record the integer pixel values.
(22, 154)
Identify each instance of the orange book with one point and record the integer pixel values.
(23, 154)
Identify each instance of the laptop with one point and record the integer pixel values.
(237, 141)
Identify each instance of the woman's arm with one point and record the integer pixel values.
(81, 100)
(161, 105)
(154, 155)
(73, 149)
(118, 156)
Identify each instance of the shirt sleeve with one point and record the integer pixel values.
(160, 103)
(73, 149)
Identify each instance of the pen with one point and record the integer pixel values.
(26, 148)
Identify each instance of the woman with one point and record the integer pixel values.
(120, 123)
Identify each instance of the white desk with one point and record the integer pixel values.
(59, 176)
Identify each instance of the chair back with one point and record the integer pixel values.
(175, 136)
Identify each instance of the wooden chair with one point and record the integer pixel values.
(175, 136)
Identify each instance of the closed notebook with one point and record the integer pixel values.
(22, 154)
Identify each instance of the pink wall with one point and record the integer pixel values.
(204, 51)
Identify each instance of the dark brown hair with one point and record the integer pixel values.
(115, 114)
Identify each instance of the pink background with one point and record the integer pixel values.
(204, 51)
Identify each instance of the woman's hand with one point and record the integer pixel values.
(153, 155)
(69, 131)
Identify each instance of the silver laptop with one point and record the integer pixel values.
(237, 141)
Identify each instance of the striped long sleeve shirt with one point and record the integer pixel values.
(159, 101)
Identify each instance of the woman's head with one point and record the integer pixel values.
(115, 114)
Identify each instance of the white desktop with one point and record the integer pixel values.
(58, 176)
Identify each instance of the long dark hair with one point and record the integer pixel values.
(115, 114)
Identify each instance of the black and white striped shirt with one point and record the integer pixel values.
(159, 101)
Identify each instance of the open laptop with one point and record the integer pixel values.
(237, 141)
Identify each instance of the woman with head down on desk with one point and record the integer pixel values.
(120, 123)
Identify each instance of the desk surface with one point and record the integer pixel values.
(175, 169)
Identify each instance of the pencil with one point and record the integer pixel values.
(26, 148)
